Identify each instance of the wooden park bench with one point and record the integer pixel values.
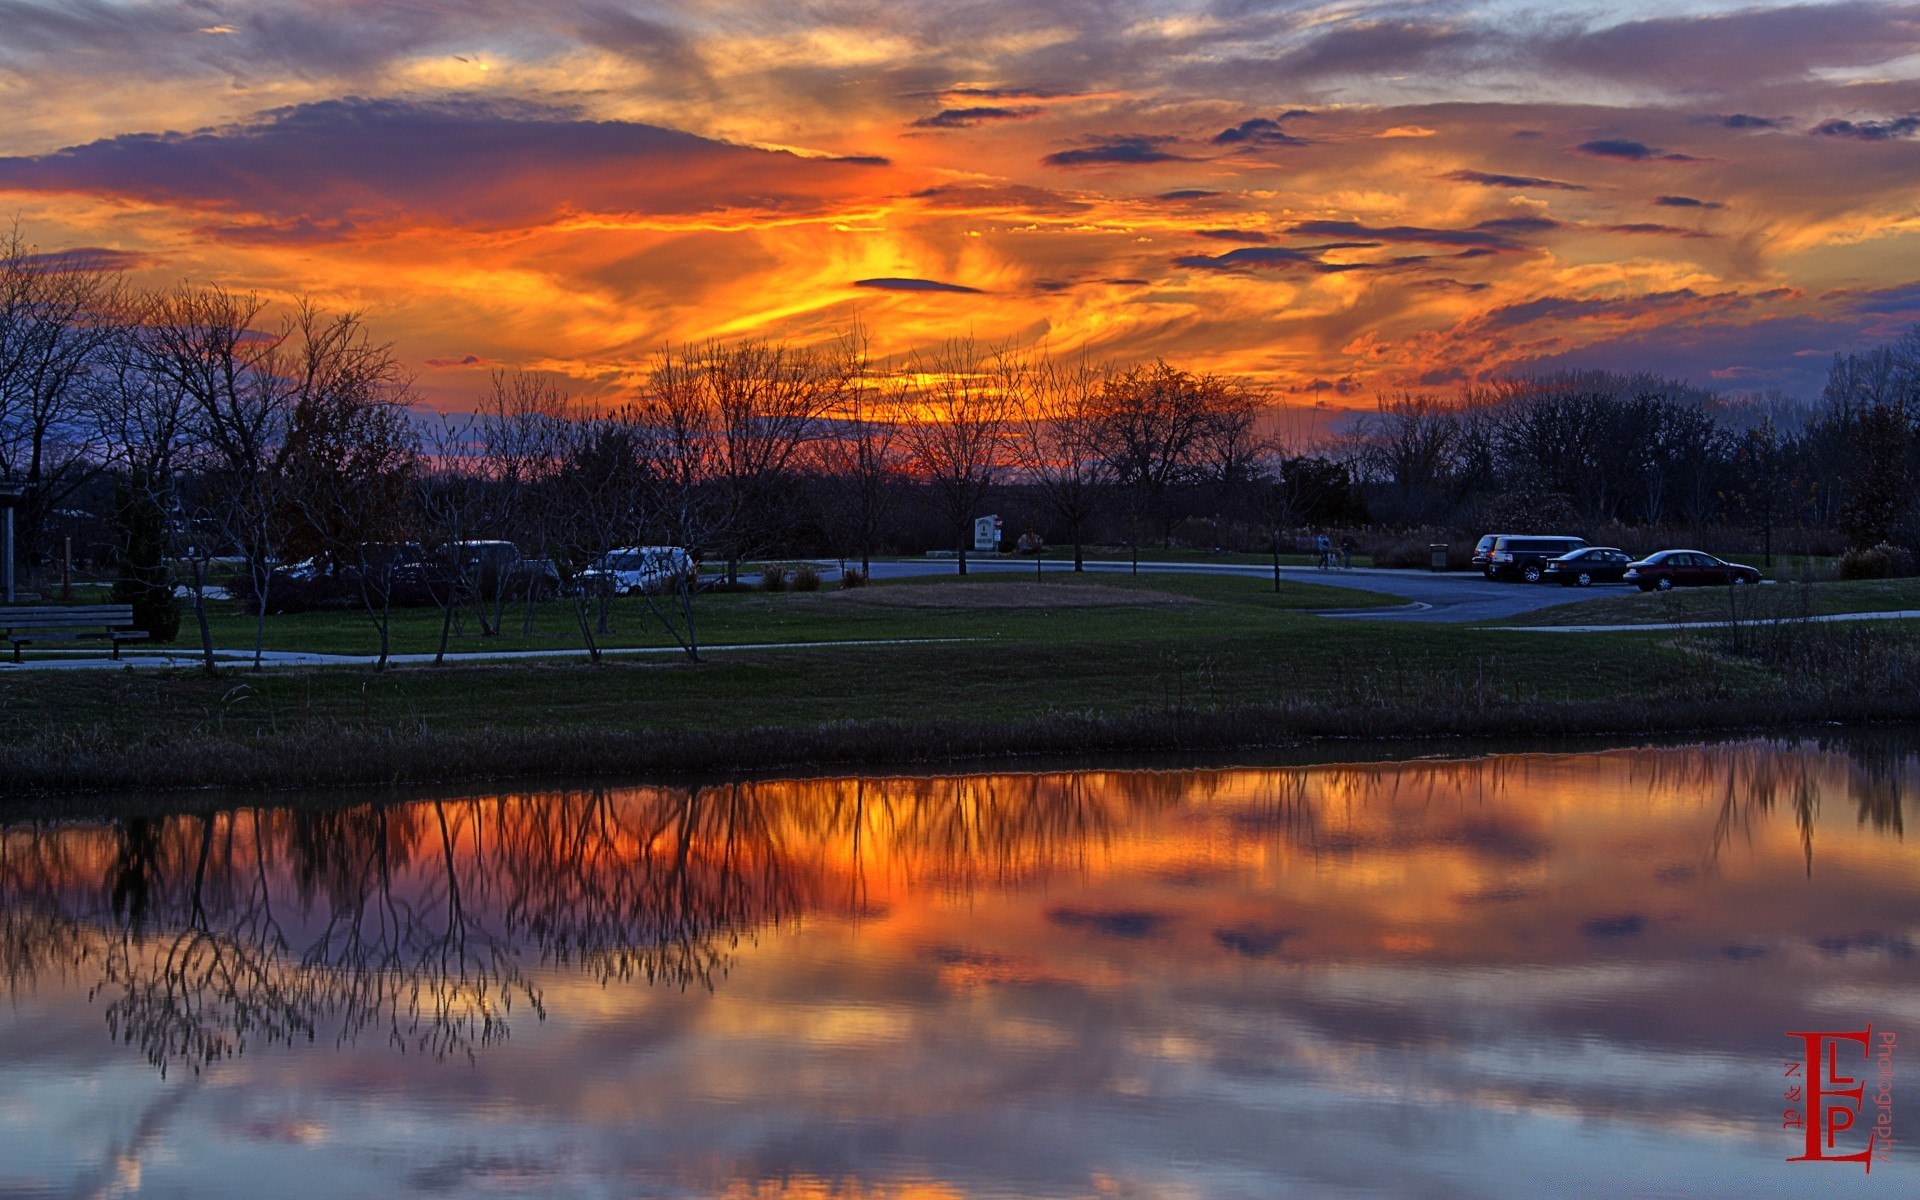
(64, 622)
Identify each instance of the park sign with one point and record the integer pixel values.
(986, 535)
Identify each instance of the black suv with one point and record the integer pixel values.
(1524, 556)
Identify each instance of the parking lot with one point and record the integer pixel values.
(1454, 597)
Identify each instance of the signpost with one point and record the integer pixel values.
(10, 497)
(986, 535)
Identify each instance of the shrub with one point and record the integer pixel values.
(1876, 562)
(853, 577)
(806, 578)
(773, 578)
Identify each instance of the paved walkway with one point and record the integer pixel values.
(81, 660)
(1904, 614)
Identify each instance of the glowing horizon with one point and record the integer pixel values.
(1328, 202)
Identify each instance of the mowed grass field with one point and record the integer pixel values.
(976, 666)
(1767, 601)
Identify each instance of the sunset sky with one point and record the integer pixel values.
(1331, 199)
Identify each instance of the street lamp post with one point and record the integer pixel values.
(10, 497)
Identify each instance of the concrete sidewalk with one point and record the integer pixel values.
(1904, 614)
(82, 661)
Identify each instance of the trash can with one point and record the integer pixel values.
(1438, 561)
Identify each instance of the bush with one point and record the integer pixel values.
(1876, 562)
(773, 578)
(806, 578)
(1414, 550)
(853, 577)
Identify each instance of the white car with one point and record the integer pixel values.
(635, 569)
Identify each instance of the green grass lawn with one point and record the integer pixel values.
(1140, 661)
(1721, 604)
(993, 606)
(1191, 642)
(1102, 643)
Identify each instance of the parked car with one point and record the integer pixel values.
(635, 569)
(1524, 556)
(1584, 568)
(1483, 551)
(1687, 568)
(497, 568)
(394, 573)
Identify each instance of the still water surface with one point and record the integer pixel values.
(1521, 976)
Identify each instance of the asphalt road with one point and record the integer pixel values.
(1453, 598)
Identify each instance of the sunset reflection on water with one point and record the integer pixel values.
(1520, 975)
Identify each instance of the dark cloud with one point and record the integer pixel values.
(1748, 121)
(901, 284)
(1003, 93)
(1870, 131)
(1629, 151)
(1114, 922)
(1374, 47)
(1132, 149)
(1189, 194)
(1578, 308)
(668, 53)
(341, 164)
(1739, 50)
(1489, 179)
(1651, 227)
(86, 259)
(465, 360)
(1346, 385)
(1685, 202)
(1903, 301)
(1259, 257)
(1520, 224)
(990, 197)
(1618, 925)
(962, 118)
(1234, 235)
(1478, 238)
(1255, 133)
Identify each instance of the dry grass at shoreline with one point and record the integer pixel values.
(330, 754)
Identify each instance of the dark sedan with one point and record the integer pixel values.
(1687, 568)
(1584, 568)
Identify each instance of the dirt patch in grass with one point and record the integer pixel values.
(1012, 595)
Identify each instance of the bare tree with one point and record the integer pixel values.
(956, 422)
(58, 312)
(738, 415)
(1059, 445)
(860, 457)
(351, 455)
(1152, 420)
(207, 348)
(520, 428)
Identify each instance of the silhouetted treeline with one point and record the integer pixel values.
(189, 431)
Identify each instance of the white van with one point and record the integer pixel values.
(635, 569)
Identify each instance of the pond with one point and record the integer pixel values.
(1518, 975)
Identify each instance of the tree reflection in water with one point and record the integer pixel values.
(424, 922)
(204, 933)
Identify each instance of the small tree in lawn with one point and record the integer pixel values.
(593, 495)
(1153, 421)
(351, 457)
(1058, 445)
(860, 459)
(522, 428)
(956, 418)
